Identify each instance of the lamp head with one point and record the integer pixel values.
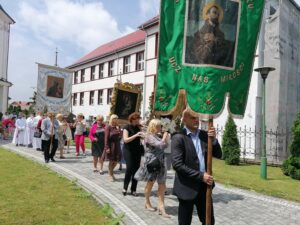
(264, 71)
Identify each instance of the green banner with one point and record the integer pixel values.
(206, 50)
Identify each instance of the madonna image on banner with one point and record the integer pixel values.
(126, 103)
(210, 37)
(55, 87)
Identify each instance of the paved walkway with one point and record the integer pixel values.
(232, 206)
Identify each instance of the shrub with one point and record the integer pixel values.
(291, 166)
(230, 143)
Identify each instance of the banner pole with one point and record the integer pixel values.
(209, 171)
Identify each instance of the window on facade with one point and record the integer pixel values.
(126, 64)
(140, 61)
(111, 68)
(100, 97)
(93, 72)
(156, 44)
(75, 99)
(82, 76)
(109, 94)
(81, 98)
(92, 95)
(76, 77)
(101, 71)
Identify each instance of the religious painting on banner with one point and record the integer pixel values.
(206, 51)
(126, 99)
(54, 89)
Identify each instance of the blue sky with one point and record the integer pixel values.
(75, 27)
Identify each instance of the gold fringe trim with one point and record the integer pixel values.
(181, 105)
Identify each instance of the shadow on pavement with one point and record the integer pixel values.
(227, 197)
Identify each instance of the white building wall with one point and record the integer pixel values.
(5, 22)
(135, 77)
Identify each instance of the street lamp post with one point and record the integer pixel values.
(264, 71)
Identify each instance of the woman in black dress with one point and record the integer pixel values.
(97, 138)
(133, 151)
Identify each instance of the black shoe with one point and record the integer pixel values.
(38, 149)
(134, 193)
(17, 145)
(29, 146)
(52, 160)
(124, 192)
(46, 160)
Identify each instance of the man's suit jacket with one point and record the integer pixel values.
(188, 178)
(46, 129)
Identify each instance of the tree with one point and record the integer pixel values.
(10, 109)
(291, 166)
(230, 143)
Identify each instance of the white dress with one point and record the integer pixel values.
(20, 134)
(37, 142)
(30, 129)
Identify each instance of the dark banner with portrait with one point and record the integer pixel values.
(206, 51)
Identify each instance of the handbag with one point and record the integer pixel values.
(37, 134)
(64, 137)
(154, 165)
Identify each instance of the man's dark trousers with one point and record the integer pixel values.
(185, 210)
(46, 148)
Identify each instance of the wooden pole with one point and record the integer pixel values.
(209, 171)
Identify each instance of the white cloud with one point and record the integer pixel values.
(75, 27)
(87, 25)
(149, 7)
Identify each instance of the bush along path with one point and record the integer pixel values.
(291, 166)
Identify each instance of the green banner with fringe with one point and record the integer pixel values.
(206, 51)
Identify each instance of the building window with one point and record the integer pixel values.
(109, 94)
(140, 61)
(126, 64)
(92, 94)
(100, 97)
(101, 71)
(156, 44)
(81, 98)
(111, 68)
(93, 72)
(82, 76)
(76, 77)
(75, 99)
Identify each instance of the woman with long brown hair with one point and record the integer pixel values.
(112, 146)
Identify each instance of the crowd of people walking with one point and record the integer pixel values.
(143, 148)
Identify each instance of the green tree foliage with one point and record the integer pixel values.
(230, 143)
(10, 109)
(291, 166)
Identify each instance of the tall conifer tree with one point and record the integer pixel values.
(230, 143)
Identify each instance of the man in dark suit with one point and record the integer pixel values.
(189, 160)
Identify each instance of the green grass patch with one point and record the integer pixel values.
(247, 176)
(32, 194)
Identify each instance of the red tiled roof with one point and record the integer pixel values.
(20, 103)
(125, 41)
(150, 22)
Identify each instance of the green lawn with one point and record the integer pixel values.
(248, 177)
(32, 194)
